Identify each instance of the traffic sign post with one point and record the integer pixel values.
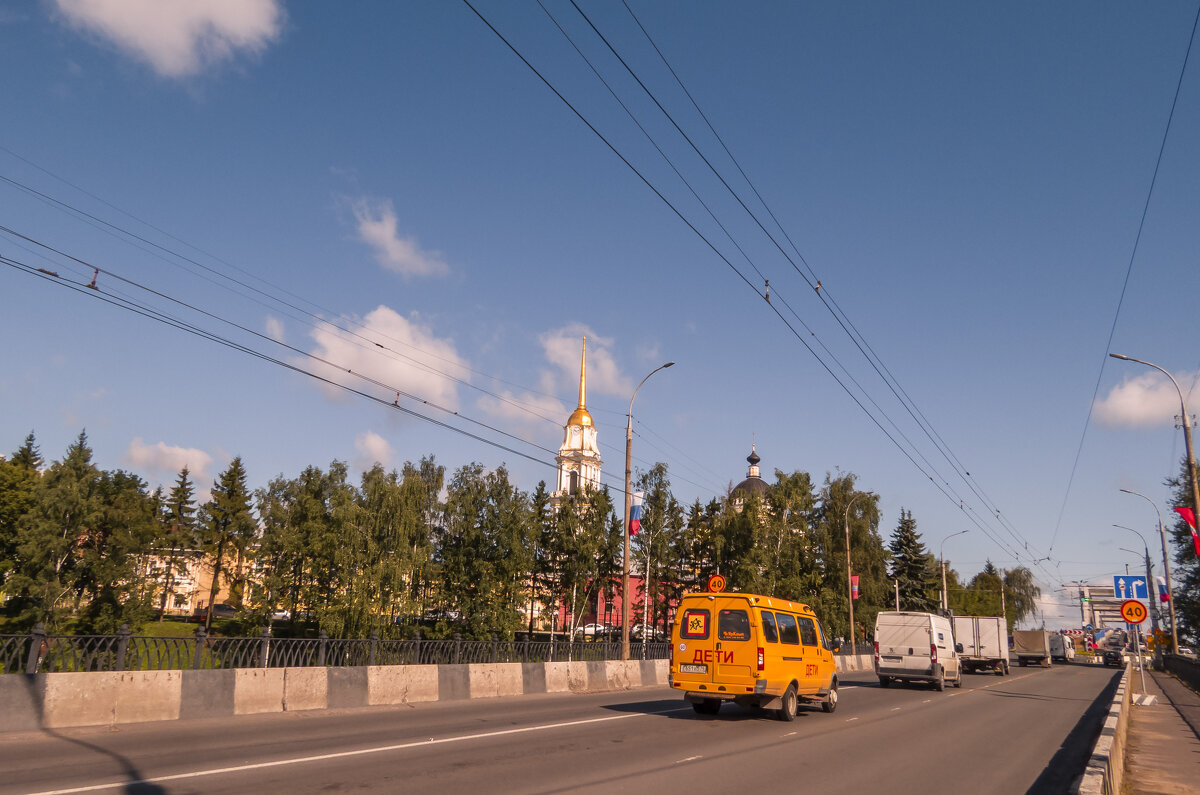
(1135, 613)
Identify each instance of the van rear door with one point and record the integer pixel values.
(904, 640)
(735, 653)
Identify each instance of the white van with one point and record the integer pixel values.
(916, 647)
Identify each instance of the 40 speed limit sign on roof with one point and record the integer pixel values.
(1133, 611)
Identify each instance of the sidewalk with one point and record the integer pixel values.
(1163, 744)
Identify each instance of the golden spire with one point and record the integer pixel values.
(580, 416)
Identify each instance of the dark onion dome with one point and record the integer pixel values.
(753, 484)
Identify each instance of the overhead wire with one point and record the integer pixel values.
(645, 180)
(859, 340)
(1128, 274)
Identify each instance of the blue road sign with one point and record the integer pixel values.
(1130, 586)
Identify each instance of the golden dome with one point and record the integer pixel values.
(580, 417)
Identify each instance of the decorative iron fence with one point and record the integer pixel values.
(38, 652)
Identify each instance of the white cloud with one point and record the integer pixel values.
(163, 461)
(1144, 401)
(416, 362)
(562, 348)
(372, 449)
(274, 328)
(178, 38)
(377, 228)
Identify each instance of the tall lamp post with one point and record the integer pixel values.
(628, 506)
(1191, 462)
(849, 581)
(942, 565)
(1150, 589)
(1162, 534)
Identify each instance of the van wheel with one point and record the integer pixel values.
(709, 706)
(939, 684)
(830, 702)
(787, 706)
(958, 681)
(884, 681)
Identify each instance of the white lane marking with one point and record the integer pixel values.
(789, 734)
(124, 785)
(850, 719)
(896, 709)
(926, 701)
(689, 759)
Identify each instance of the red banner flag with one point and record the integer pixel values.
(1190, 518)
(854, 586)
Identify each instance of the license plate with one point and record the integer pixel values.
(693, 669)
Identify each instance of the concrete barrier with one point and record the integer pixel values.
(59, 700)
(1106, 767)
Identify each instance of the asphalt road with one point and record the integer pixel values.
(1027, 732)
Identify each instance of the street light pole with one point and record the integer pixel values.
(1150, 589)
(942, 564)
(849, 582)
(1162, 534)
(628, 506)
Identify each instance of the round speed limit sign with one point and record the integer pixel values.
(1133, 611)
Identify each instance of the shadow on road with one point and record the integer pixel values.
(136, 785)
(1069, 762)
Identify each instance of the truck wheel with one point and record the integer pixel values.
(709, 706)
(939, 684)
(787, 705)
(884, 681)
(830, 702)
(1022, 662)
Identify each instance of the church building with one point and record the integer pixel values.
(579, 455)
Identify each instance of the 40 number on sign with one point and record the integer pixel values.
(1133, 611)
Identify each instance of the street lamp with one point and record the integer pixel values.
(628, 506)
(849, 581)
(1150, 589)
(942, 565)
(1162, 534)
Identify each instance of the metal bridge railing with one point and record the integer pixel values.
(38, 652)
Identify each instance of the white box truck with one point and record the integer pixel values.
(985, 643)
(916, 647)
(1032, 646)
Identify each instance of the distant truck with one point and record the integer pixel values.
(1061, 648)
(1032, 646)
(985, 643)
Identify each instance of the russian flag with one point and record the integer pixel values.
(635, 513)
(1163, 596)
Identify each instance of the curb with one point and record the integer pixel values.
(1106, 767)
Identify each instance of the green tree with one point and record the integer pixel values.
(912, 566)
(227, 527)
(45, 583)
(19, 476)
(113, 577)
(1021, 593)
(842, 506)
(1185, 574)
(177, 536)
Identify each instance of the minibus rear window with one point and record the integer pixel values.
(733, 625)
(694, 623)
(787, 629)
(768, 625)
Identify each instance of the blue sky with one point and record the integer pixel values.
(966, 183)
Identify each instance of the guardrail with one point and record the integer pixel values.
(38, 652)
(1186, 668)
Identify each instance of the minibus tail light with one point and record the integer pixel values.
(762, 658)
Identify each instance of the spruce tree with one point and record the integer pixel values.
(176, 540)
(912, 566)
(227, 527)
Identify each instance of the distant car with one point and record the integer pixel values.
(590, 630)
(640, 631)
(221, 610)
(1184, 651)
(281, 615)
(1114, 657)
